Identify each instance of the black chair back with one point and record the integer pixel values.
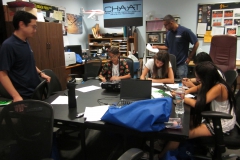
(39, 92)
(231, 78)
(31, 129)
(54, 85)
(130, 65)
(173, 61)
(92, 67)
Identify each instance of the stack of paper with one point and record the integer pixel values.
(88, 88)
(95, 113)
(149, 47)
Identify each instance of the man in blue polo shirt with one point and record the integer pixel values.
(18, 72)
(177, 43)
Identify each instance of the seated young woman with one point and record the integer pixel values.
(111, 70)
(160, 68)
(200, 57)
(212, 94)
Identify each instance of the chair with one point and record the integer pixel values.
(172, 59)
(223, 50)
(131, 154)
(219, 141)
(54, 85)
(92, 67)
(231, 78)
(39, 91)
(30, 130)
(130, 65)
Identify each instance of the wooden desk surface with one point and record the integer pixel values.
(77, 65)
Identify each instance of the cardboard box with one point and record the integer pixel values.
(28, 9)
(9, 12)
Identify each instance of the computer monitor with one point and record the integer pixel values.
(74, 48)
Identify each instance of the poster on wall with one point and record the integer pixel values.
(218, 17)
(74, 23)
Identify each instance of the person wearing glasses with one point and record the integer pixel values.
(115, 69)
(18, 72)
(160, 68)
(177, 43)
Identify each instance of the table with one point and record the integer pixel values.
(66, 116)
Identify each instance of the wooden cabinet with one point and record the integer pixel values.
(115, 40)
(48, 49)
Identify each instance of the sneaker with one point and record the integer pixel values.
(157, 145)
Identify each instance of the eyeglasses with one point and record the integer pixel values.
(112, 57)
(33, 26)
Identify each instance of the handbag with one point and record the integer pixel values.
(144, 116)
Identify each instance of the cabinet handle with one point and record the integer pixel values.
(49, 45)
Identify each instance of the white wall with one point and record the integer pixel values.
(186, 9)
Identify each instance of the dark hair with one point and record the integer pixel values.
(113, 50)
(209, 76)
(162, 56)
(202, 57)
(23, 16)
(169, 18)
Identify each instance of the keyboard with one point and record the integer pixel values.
(124, 102)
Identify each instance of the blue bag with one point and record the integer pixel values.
(78, 58)
(145, 115)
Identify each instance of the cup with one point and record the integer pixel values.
(179, 97)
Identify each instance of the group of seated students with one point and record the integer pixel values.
(116, 69)
(213, 93)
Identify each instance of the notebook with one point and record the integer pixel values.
(134, 90)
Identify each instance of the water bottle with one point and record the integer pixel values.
(179, 97)
(72, 102)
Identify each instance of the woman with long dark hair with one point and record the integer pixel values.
(213, 94)
(160, 68)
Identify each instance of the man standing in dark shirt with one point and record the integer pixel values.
(177, 43)
(18, 72)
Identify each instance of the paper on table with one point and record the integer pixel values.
(189, 96)
(61, 100)
(95, 113)
(88, 88)
(149, 47)
(176, 85)
(157, 84)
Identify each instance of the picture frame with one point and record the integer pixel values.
(154, 38)
(151, 53)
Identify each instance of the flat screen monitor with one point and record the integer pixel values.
(74, 48)
(119, 13)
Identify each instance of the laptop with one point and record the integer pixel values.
(134, 90)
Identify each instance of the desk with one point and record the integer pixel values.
(67, 116)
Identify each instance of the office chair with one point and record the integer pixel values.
(39, 91)
(92, 67)
(131, 154)
(130, 65)
(172, 59)
(30, 130)
(54, 85)
(231, 79)
(220, 141)
(223, 50)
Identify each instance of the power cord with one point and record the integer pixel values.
(106, 98)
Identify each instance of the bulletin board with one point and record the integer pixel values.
(218, 19)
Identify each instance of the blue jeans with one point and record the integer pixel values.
(182, 71)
